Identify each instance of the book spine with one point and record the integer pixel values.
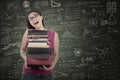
(38, 45)
(31, 61)
(39, 56)
(37, 36)
(37, 32)
(39, 50)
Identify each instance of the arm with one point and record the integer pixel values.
(23, 46)
(56, 52)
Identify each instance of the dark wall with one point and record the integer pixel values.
(89, 37)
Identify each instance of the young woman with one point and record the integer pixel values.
(35, 21)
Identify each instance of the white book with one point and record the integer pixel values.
(38, 45)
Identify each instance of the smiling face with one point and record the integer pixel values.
(35, 19)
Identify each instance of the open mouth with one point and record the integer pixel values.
(36, 22)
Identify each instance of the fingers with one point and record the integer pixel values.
(48, 42)
(46, 68)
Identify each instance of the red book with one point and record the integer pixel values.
(32, 61)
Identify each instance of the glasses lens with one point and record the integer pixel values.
(34, 17)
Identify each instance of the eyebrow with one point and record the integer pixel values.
(34, 15)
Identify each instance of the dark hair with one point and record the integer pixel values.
(29, 25)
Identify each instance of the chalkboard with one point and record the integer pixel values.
(89, 32)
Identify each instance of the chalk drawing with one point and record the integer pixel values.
(77, 52)
(14, 5)
(55, 4)
(26, 5)
(112, 19)
(111, 7)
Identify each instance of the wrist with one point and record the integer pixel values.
(53, 65)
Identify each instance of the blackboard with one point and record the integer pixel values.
(89, 32)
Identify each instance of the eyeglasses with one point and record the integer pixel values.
(34, 17)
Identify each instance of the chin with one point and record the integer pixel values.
(35, 26)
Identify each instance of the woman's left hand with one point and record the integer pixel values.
(49, 68)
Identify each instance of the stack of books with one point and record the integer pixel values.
(38, 51)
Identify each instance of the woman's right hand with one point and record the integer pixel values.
(25, 62)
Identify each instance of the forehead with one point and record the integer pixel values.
(32, 14)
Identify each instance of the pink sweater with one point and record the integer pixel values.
(41, 71)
